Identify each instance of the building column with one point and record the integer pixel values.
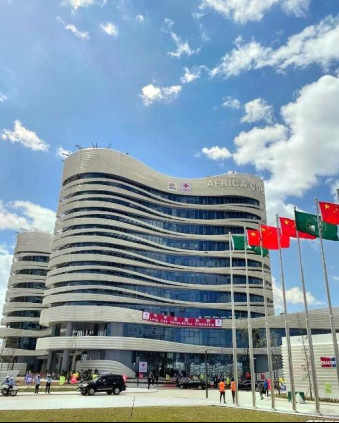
(49, 362)
(65, 356)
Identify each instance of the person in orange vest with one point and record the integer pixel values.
(233, 389)
(222, 390)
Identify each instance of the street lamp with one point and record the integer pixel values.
(206, 372)
(138, 358)
(255, 368)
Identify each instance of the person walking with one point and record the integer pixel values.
(261, 390)
(149, 380)
(266, 387)
(37, 383)
(233, 389)
(48, 384)
(222, 390)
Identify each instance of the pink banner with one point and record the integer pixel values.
(182, 321)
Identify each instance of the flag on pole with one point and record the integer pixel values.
(329, 212)
(239, 244)
(288, 227)
(253, 237)
(308, 223)
(270, 238)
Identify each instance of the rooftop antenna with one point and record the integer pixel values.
(78, 146)
(109, 146)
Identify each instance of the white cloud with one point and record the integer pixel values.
(62, 153)
(191, 75)
(302, 149)
(3, 98)
(24, 136)
(293, 296)
(257, 110)
(182, 47)
(139, 18)
(109, 28)
(336, 278)
(25, 215)
(253, 10)
(39, 217)
(10, 219)
(316, 44)
(231, 102)
(77, 4)
(297, 8)
(216, 153)
(151, 93)
(334, 187)
(69, 27)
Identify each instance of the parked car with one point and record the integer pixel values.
(109, 383)
(192, 384)
(245, 385)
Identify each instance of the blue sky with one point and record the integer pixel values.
(191, 88)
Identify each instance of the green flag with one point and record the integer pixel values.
(308, 223)
(239, 245)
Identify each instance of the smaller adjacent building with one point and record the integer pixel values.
(21, 312)
(325, 365)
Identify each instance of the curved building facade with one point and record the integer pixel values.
(136, 251)
(24, 299)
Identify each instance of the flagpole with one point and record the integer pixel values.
(328, 292)
(268, 335)
(234, 332)
(249, 318)
(308, 329)
(287, 328)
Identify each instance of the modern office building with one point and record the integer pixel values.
(23, 305)
(140, 267)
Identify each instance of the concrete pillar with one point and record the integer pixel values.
(49, 362)
(65, 356)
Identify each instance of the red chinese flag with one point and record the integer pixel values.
(270, 238)
(330, 212)
(253, 237)
(288, 227)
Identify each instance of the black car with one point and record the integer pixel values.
(245, 385)
(192, 384)
(109, 383)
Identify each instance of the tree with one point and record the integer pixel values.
(306, 366)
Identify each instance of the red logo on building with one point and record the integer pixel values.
(328, 362)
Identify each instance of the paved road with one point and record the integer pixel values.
(142, 397)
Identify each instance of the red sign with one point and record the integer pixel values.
(328, 362)
(182, 321)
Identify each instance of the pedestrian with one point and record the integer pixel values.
(48, 384)
(149, 380)
(157, 378)
(266, 387)
(261, 390)
(233, 389)
(37, 383)
(222, 390)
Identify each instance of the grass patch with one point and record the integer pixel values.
(149, 414)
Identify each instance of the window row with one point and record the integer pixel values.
(129, 186)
